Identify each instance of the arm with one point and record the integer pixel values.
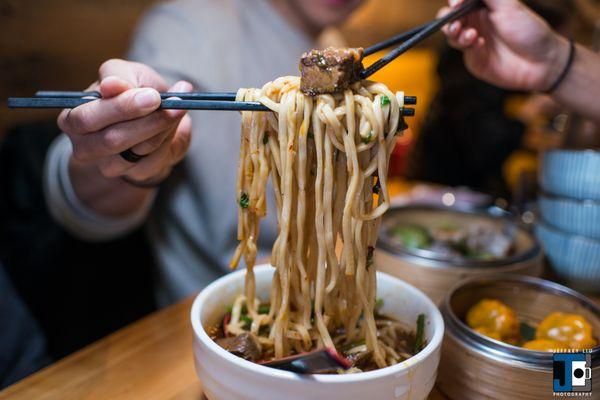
(510, 46)
(84, 186)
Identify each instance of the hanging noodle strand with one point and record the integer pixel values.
(328, 158)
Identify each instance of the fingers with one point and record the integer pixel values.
(459, 36)
(98, 114)
(113, 85)
(138, 75)
(161, 161)
(153, 143)
(124, 135)
(170, 151)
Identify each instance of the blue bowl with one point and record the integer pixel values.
(573, 174)
(579, 217)
(575, 259)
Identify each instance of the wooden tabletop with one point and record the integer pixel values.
(150, 359)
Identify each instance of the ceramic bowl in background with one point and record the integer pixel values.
(578, 217)
(571, 173)
(576, 259)
(225, 376)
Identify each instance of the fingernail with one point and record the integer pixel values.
(147, 98)
(454, 2)
(470, 35)
(454, 27)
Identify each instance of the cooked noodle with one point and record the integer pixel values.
(327, 156)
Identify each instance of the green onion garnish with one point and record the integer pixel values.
(420, 333)
(385, 101)
(247, 321)
(367, 139)
(264, 309)
(244, 200)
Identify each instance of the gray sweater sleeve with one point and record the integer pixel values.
(69, 211)
(160, 41)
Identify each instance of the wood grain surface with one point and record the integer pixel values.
(150, 359)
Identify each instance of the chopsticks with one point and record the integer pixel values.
(221, 96)
(67, 102)
(218, 101)
(416, 35)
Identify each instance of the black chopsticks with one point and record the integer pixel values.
(221, 96)
(416, 35)
(213, 105)
(219, 101)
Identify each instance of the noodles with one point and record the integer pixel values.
(327, 156)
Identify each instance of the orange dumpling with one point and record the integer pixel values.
(494, 317)
(570, 330)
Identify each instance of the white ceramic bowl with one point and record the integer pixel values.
(228, 377)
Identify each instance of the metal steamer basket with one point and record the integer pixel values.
(474, 366)
(434, 274)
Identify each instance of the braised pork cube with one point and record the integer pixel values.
(330, 71)
(245, 345)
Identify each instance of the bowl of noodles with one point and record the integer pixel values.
(228, 376)
(325, 145)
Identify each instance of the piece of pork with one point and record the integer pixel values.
(330, 71)
(245, 345)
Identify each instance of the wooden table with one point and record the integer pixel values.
(150, 359)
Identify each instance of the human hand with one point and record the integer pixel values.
(508, 45)
(127, 117)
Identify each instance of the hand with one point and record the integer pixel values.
(127, 118)
(508, 45)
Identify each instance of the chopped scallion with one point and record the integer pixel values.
(368, 138)
(264, 309)
(385, 101)
(247, 321)
(244, 200)
(420, 333)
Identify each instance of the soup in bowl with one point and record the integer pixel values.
(226, 376)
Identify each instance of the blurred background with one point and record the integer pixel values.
(466, 133)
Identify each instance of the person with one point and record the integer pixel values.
(120, 162)
(22, 344)
(465, 140)
(510, 46)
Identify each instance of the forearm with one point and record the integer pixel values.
(580, 89)
(84, 217)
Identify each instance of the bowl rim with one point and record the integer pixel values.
(543, 224)
(571, 151)
(504, 351)
(492, 213)
(544, 195)
(432, 345)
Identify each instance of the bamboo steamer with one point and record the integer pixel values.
(475, 367)
(435, 276)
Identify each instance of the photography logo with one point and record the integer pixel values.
(572, 373)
